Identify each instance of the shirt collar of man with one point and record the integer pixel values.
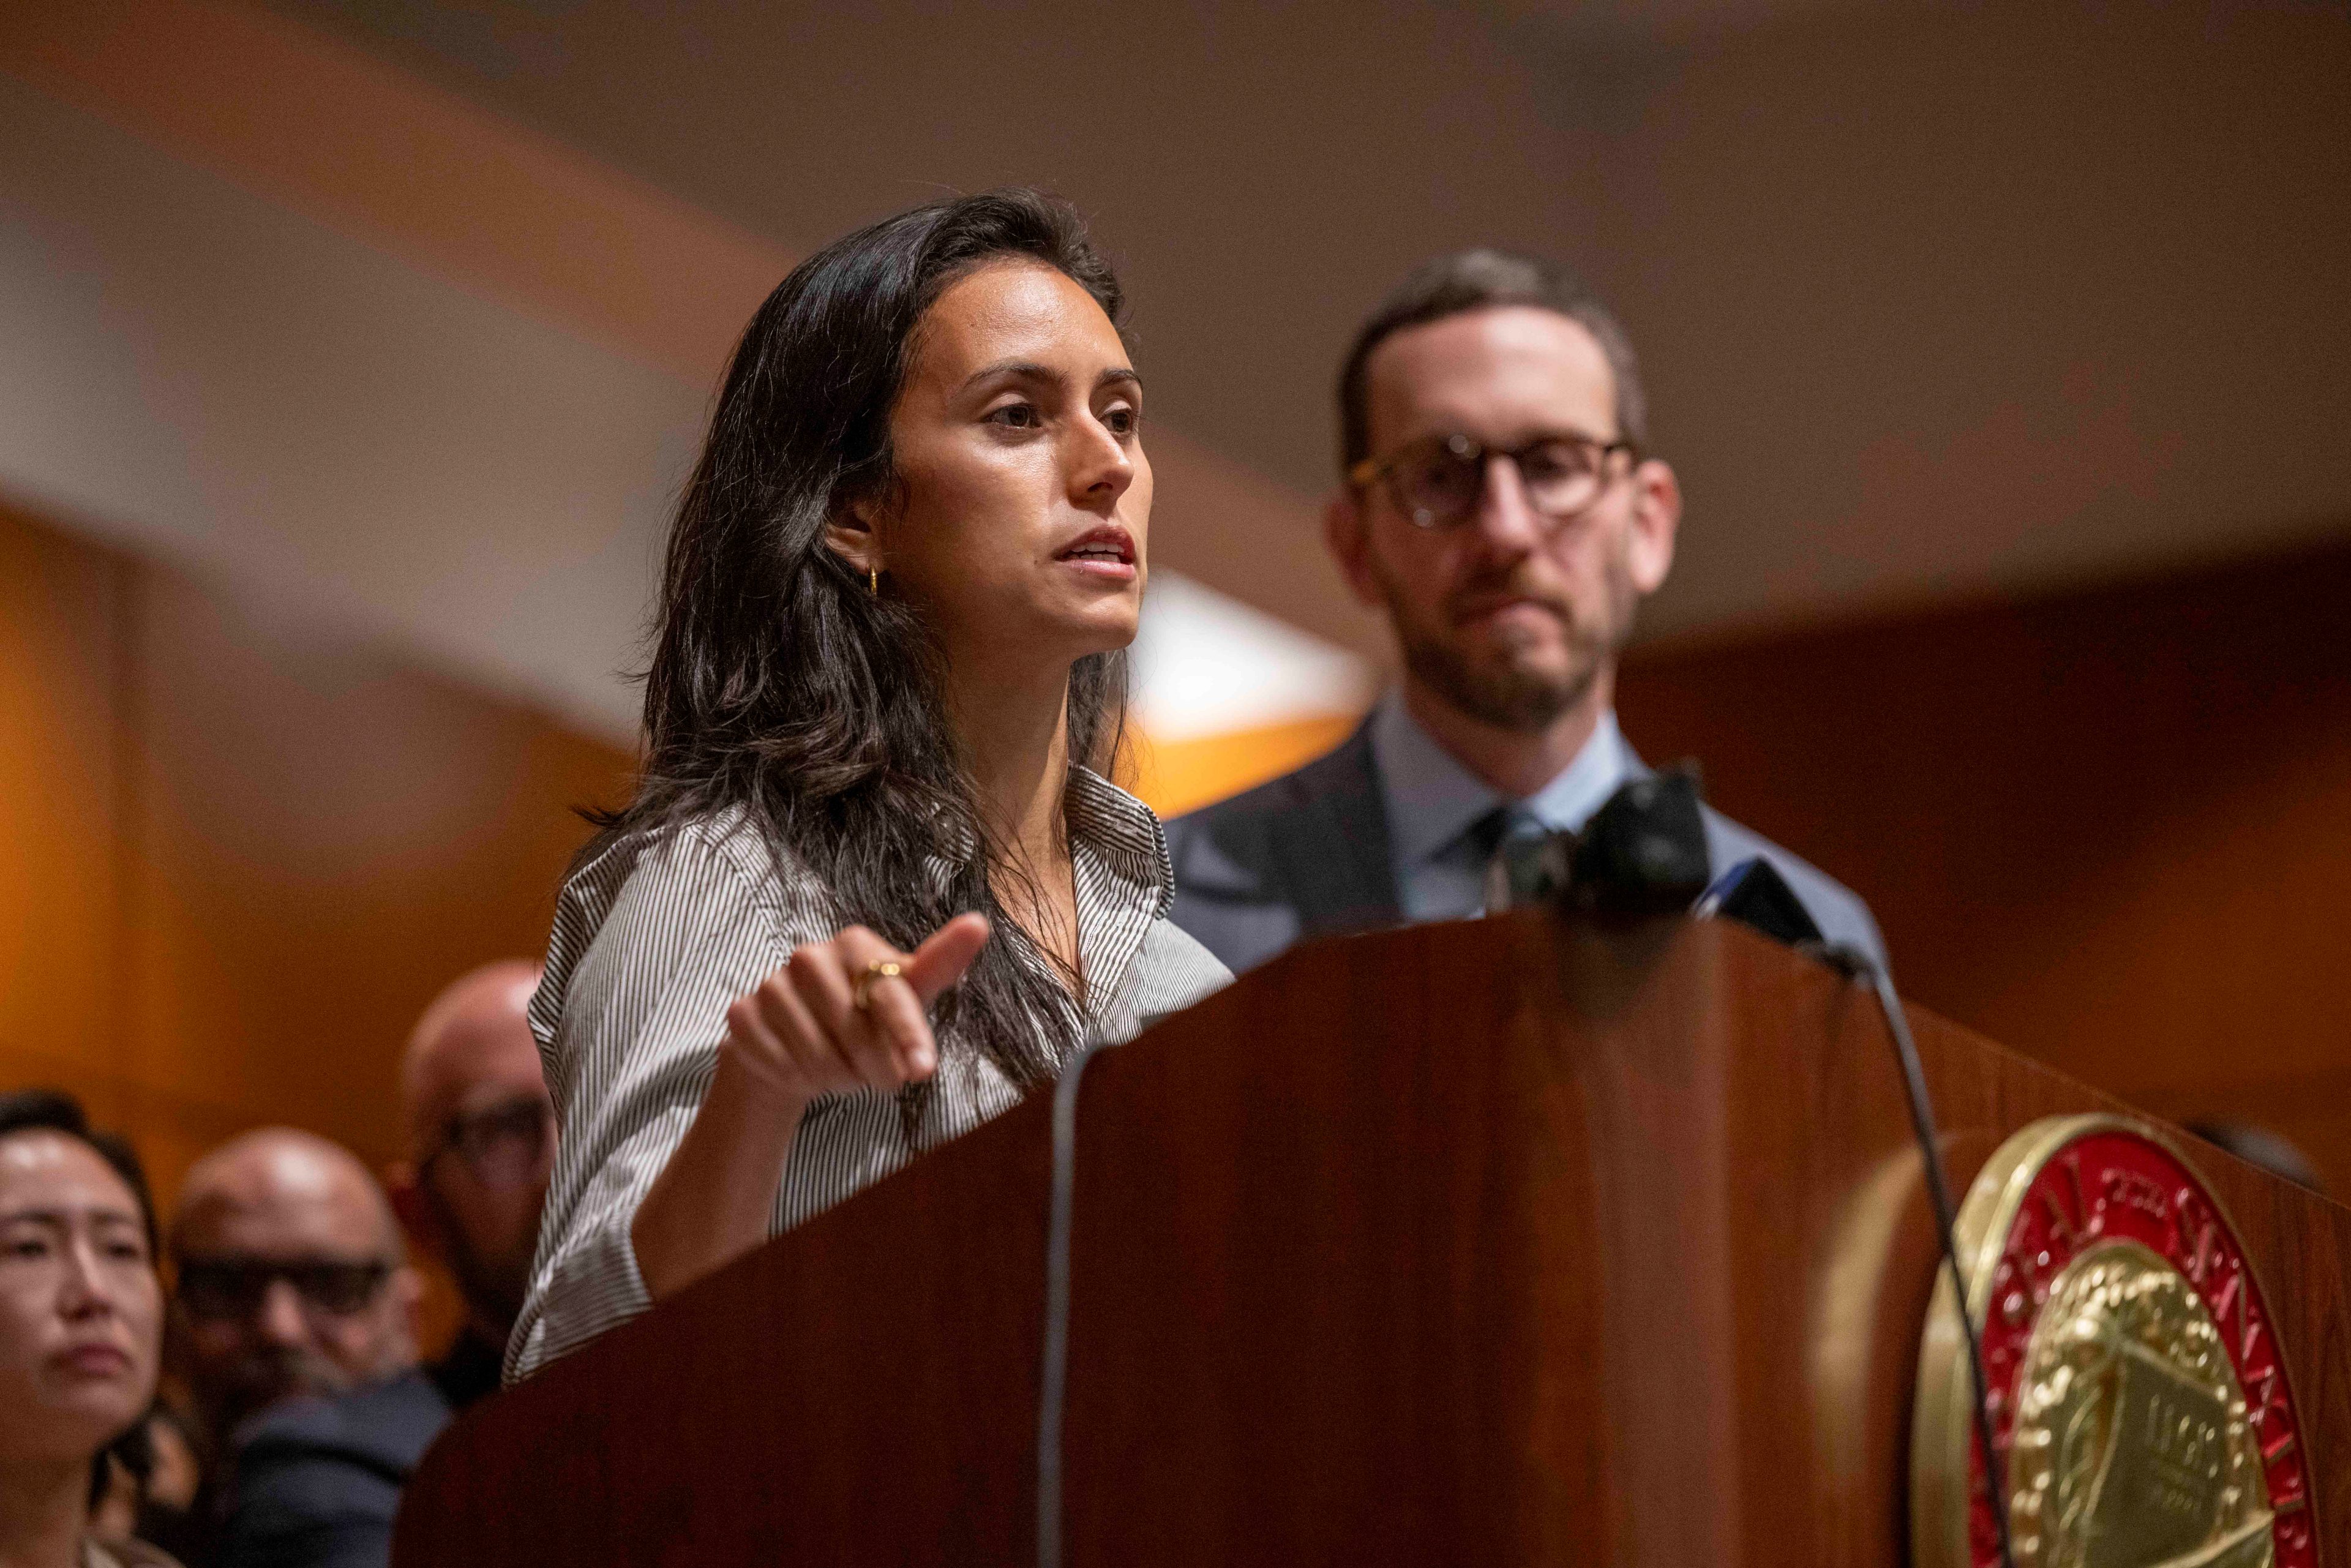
(1432, 799)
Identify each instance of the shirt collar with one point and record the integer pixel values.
(1124, 835)
(1111, 830)
(1432, 799)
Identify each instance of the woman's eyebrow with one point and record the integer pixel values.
(1031, 370)
(97, 1213)
(1027, 368)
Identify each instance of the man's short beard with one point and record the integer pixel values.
(263, 1378)
(1509, 694)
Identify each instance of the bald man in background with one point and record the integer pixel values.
(292, 1281)
(296, 1312)
(481, 1140)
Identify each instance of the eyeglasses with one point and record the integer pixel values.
(230, 1286)
(507, 1146)
(1436, 482)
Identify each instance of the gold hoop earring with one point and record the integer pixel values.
(873, 582)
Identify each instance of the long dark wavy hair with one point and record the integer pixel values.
(781, 687)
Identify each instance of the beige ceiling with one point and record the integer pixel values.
(296, 319)
(1934, 300)
(408, 312)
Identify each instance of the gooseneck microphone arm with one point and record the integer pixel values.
(1640, 853)
(1863, 967)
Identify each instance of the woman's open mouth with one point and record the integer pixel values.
(1106, 551)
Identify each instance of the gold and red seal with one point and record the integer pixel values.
(2140, 1412)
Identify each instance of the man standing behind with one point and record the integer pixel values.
(297, 1314)
(481, 1136)
(1500, 507)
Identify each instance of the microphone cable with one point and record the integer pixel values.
(1755, 894)
(1863, 967)
(1054, 1380)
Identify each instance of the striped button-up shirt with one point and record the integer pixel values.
(660, 931)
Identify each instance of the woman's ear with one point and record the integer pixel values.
(851, 536)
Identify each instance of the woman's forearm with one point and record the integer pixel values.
(711, 1203)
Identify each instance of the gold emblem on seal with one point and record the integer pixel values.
(2139, 1409)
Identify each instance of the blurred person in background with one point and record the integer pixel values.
(888, 686)
(297, 1315)
(1499, 505)
(481, 1139)
(81, 1315)
(152, 1496)
(291, 1277)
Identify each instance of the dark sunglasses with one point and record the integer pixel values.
(227, 1287)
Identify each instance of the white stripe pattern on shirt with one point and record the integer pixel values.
(660, 931)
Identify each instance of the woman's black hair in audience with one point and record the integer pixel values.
(53, 1111)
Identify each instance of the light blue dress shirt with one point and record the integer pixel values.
(1432, 802)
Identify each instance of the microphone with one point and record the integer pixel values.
(1643, 853)
(1755, 895)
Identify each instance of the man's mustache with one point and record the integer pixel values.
(284, 1371)
(1476, 598)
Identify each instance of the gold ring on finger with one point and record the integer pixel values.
(862, 991)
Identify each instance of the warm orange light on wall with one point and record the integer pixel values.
(1175, 775)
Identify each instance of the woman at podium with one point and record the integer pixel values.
(874, 885)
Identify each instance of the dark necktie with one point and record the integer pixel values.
(1512, 843)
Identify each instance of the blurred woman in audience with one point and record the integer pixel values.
(80, 1330)
(888, 683)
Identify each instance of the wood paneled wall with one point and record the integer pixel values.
(239, 851)
(2110, 828)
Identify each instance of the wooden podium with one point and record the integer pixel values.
(1519, 1241)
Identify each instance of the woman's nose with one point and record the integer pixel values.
(89, 1291)
(1101, 467)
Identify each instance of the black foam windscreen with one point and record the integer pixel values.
(1643, 853)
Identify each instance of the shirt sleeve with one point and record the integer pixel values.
(634, 1047)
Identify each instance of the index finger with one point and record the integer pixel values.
(944, 956)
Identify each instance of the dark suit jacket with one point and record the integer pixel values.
(317, 1481)
(1308, 855)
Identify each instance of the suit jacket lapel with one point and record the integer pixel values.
(1340, 864)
